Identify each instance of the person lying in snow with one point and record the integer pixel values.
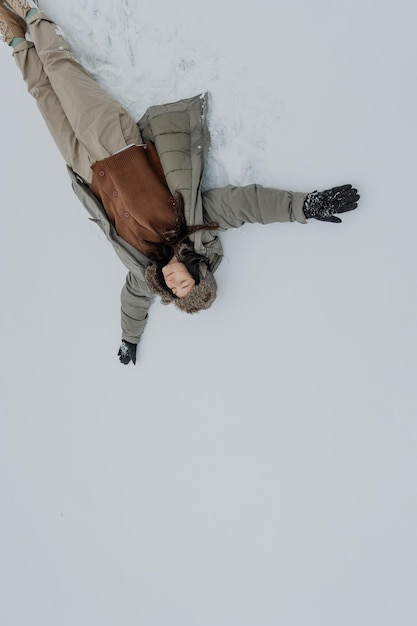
(141, 181)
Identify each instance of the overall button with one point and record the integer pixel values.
(101, 173)
(115, 193)
(127, 214)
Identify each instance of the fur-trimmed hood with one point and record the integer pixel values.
(199, 298)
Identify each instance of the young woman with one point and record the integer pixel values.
(141, 182)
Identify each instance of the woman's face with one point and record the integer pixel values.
(178, 278)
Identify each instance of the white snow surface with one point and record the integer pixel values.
(258, 465)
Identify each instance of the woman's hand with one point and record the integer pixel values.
(127, 352)
(322, 205)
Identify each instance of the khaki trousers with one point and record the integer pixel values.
(86, 123)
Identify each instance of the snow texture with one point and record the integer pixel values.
(257, 466)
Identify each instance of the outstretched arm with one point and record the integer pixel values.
(232, 206)
(135, 302)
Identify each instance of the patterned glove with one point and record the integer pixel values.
(321, 205)
(127, 352)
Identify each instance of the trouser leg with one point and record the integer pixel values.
(50, 107)
(99, 123)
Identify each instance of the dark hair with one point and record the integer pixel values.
(176, 242)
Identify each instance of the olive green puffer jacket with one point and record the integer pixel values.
(180, 133)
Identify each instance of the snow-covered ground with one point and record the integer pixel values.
(258, 465)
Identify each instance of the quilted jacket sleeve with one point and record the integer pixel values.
(232, 206)
(135, 302)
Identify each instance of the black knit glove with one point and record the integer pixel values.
(127, 352)
(323, 204)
